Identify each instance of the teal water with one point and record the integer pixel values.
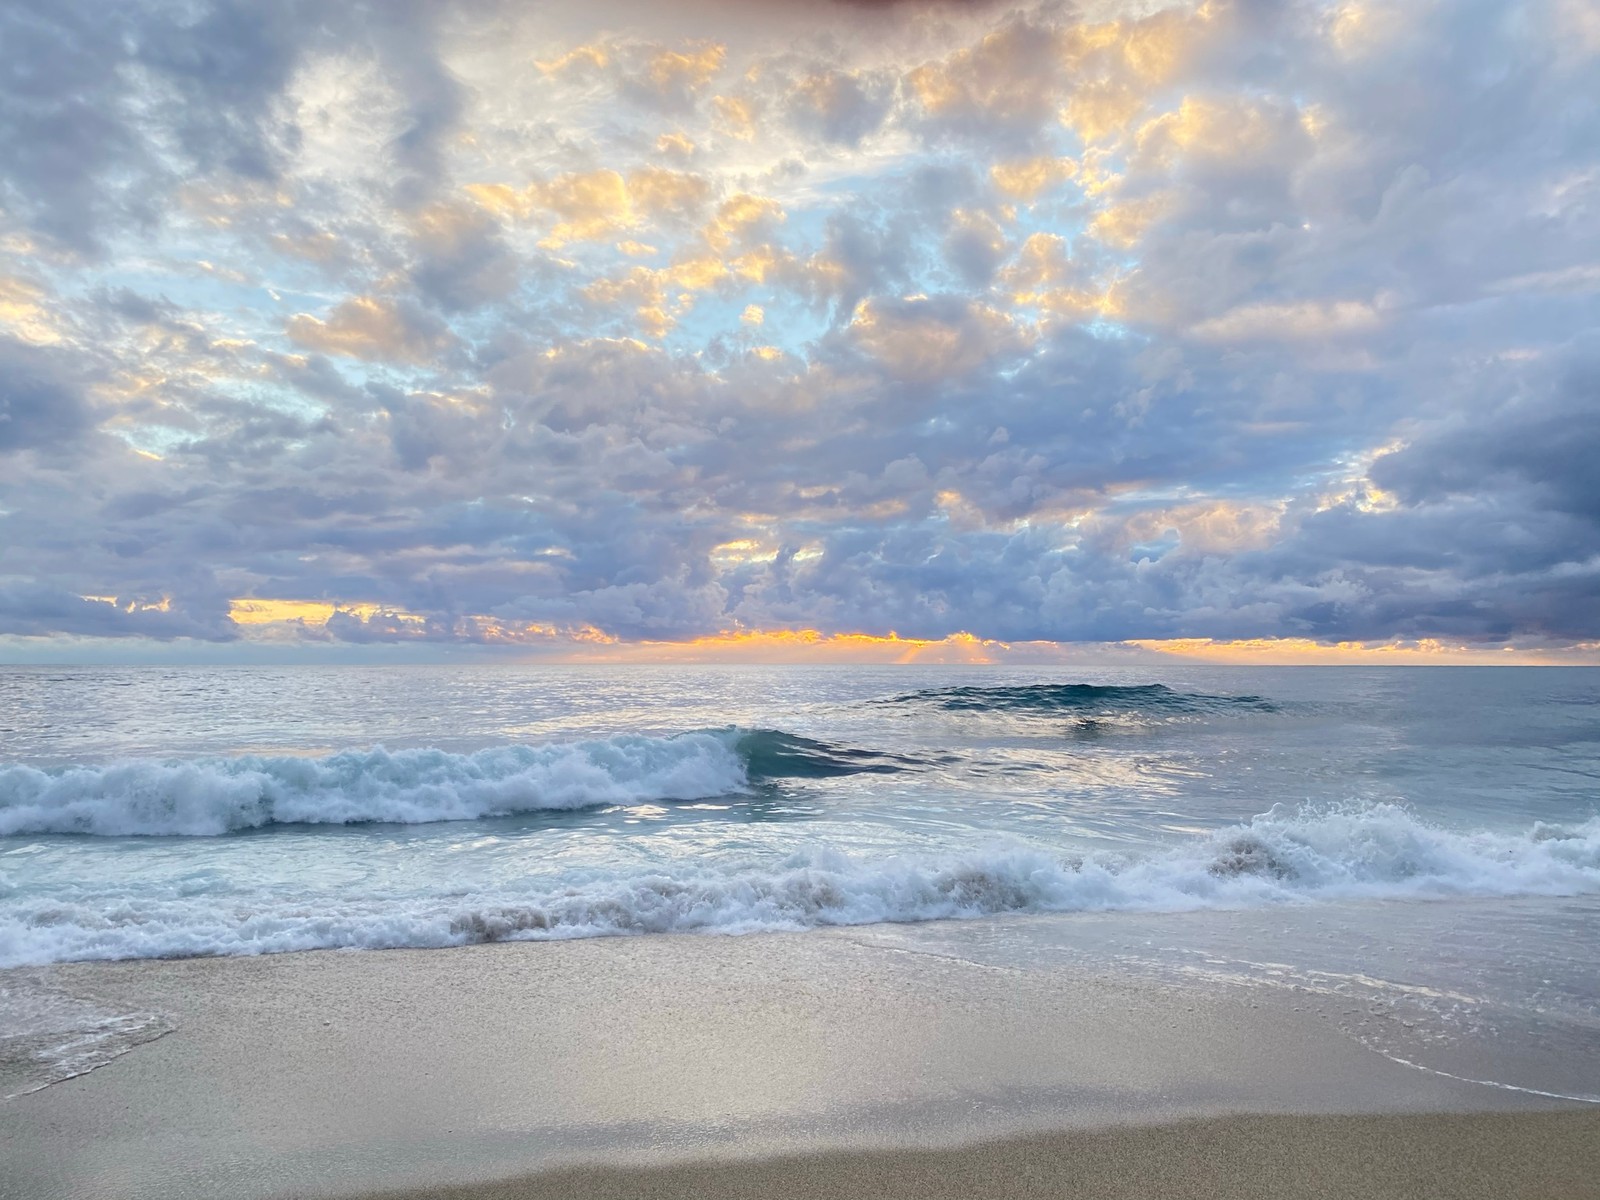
(193, 811)
(1418, 844)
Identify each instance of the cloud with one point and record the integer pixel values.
(974, 246)
(1004, 85)
(373, 328)
(925, 339)
(596, 205)
(1534, 446)
(1313, 319)
(476, 325)
(41, 406)
(25, 312)
(32, 609)
(841, 107)
(110, 112)
(1024, 179)
(671, 78)
(462, 260)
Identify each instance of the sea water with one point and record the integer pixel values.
(1420, 845)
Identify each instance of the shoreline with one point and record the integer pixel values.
(682, 1064)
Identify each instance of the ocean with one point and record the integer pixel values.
(1418, 850)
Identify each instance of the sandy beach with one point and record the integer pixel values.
(1479, 1157)
(825, 1064)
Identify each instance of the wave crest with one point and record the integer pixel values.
(1283, 856)
(206, 797)
(211, 796)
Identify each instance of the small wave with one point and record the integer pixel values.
(206, 797)
(1284, 856)
(1089, 701)
(772, 754)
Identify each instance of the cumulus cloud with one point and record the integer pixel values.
(37, 609)
(372, 327)
(41, 406)
(927, 340)
(840, 106)
(471, 324)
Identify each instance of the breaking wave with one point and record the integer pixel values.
(206, 797)
(1283, 856)
(1085, 700)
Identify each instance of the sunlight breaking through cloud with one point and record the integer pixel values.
(490, 324)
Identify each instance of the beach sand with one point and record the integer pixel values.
(1477, 1157)
(830, 1063)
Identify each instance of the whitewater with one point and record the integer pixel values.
(148, 813)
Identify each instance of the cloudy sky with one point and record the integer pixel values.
(580, 328)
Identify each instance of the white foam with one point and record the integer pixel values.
(208, 797)
(1284, 856)
(47, 1036)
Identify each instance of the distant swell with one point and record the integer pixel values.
(1084, 699)
(1281, 857)
(211, 796)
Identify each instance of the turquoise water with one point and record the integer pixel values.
(1413, 853)
(220, 811)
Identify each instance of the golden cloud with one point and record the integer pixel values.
(23, 311)
(1102, 110)
(250, 611)
(1026, 178)
(372, 328)
(1124, 223)
(1044, 276)
(1010, 75)
(692, 69)
(736, 116)
(579, 56)
(741, 216)
(596, 205)
(914, 341)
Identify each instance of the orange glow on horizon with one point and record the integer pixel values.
(809, 645)
(1420, 652)
(815, 646)
(279, 619)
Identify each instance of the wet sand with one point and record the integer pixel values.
(819, 1064)
(1474, 1157)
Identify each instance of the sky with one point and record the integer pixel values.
(1238, 331)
